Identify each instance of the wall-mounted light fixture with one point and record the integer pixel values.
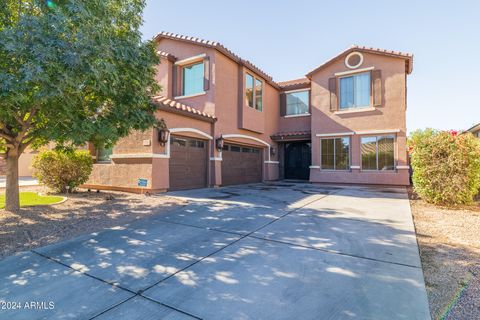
(273, 151)
(219, 143)
(163, 132)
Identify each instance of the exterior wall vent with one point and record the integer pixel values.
(354, 60)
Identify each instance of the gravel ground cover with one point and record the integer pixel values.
(449, 242)
(83, 212)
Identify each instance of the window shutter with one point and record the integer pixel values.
(332, 86)
(206, 74)
(283, 104)
(377, 87)
(174, 81)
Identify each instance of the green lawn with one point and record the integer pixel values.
(32, 199)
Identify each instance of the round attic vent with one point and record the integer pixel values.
(354, 60)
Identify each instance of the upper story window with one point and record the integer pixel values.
(193, 79)
(355, 91)
(297, 103)
(253, 92)
(378, 153)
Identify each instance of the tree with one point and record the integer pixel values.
(71, 71)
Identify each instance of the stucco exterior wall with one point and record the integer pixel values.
(390, 116)
(238, 123)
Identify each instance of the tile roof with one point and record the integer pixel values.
(473, 128)
(294, 81)
(407, 56)
(166, 55)
(221, 48)
(294, 84)
(181, 107)
(291, 134)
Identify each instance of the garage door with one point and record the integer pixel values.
(241, 165)
(188, 163)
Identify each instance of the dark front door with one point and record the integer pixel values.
(298, 157)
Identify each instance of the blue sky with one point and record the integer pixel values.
(289, 38)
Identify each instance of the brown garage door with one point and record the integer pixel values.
(188, 163)
(241, 165)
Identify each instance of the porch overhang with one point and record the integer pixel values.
(291, 136)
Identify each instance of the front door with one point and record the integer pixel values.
(298, 157)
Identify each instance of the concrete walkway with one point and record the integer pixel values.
(22, 181)
(283, 251)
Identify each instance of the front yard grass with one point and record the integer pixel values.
(28, 199)
(449, 243)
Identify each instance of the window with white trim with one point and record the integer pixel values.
(355, 91)
(298, 103)
(378, 153)
(104, 154)
(253, 92)
(193, 79)
(335, 154)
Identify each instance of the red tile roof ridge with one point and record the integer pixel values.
(180, 106)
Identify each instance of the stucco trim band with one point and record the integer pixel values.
(335, 134)
(243, 136)
(378, 131)
(138, 155)
(189, 60)
(344, 73)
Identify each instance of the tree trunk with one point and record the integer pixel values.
(12, 201)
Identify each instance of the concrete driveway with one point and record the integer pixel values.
(283, 251)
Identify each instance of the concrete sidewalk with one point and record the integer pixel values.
(22, 181)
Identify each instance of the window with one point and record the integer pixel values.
(196, 144)
(378, 153)
(355, 91)
(104, 154)
(192, 79)
(178, 142)
(253, 92)
(335, 154)
(249, 90)
(258, 95)
(297, 103)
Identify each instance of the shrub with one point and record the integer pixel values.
(59, 169)
(446, 166)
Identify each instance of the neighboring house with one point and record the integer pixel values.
(24, 164)
(230, 123)
(475, 130)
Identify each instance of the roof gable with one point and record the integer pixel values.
(219, 47)
(396, 54)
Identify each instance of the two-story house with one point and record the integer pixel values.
(230, 123)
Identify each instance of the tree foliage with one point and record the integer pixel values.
(446, 166)
(73, 71)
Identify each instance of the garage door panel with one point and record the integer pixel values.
(188, 163)
(241, 165)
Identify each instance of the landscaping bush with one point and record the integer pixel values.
(59, 169)
(446, 166)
